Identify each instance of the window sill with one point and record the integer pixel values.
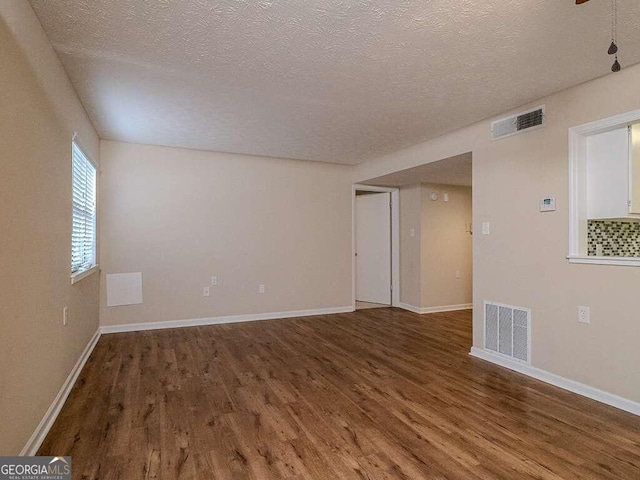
(76, 277)
(593, 260)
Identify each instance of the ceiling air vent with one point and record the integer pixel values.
(519, 123)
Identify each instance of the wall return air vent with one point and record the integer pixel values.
(519, 123)
(507, 331)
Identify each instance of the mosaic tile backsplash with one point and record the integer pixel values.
(618, 239)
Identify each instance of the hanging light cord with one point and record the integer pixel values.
(613, 48)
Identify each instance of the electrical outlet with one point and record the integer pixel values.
(260, 288)
(214, 280)
(486, 228)
(206, 291)
(583, 314)
(457, 274)
(65, 316)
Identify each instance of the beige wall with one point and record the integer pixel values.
(410, 248)
(446, 247)
(523, 261)
(180, 216)
(38, 115)
(439, 248)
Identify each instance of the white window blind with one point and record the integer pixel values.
(83, 236)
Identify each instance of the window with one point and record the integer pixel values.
(83, 236)
(604, 196)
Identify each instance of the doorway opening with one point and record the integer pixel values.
(435, 240)
(375, 247)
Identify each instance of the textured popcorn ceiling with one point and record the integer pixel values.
(331, 80)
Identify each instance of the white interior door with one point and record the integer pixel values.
(373, 248)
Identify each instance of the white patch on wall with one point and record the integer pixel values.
(124, 289)
(507, 331)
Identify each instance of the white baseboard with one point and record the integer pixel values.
(195, 322)
(558, 381)
(411, 308)
(39, 434)
(443, 308)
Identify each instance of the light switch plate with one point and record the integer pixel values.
(486, 228)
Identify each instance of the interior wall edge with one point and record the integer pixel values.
(25, 27)
(39, 434)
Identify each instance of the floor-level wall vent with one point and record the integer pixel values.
(507, 330)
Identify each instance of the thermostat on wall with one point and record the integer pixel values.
(548, 204)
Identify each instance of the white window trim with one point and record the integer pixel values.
(577, 186)
(76, 277)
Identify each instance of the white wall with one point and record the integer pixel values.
(523, 261)
(180, 216)
(39, 112)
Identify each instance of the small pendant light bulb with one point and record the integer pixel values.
(616, 66)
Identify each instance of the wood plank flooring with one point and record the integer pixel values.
(376, 394)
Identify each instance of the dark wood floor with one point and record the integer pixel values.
(376, 394)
